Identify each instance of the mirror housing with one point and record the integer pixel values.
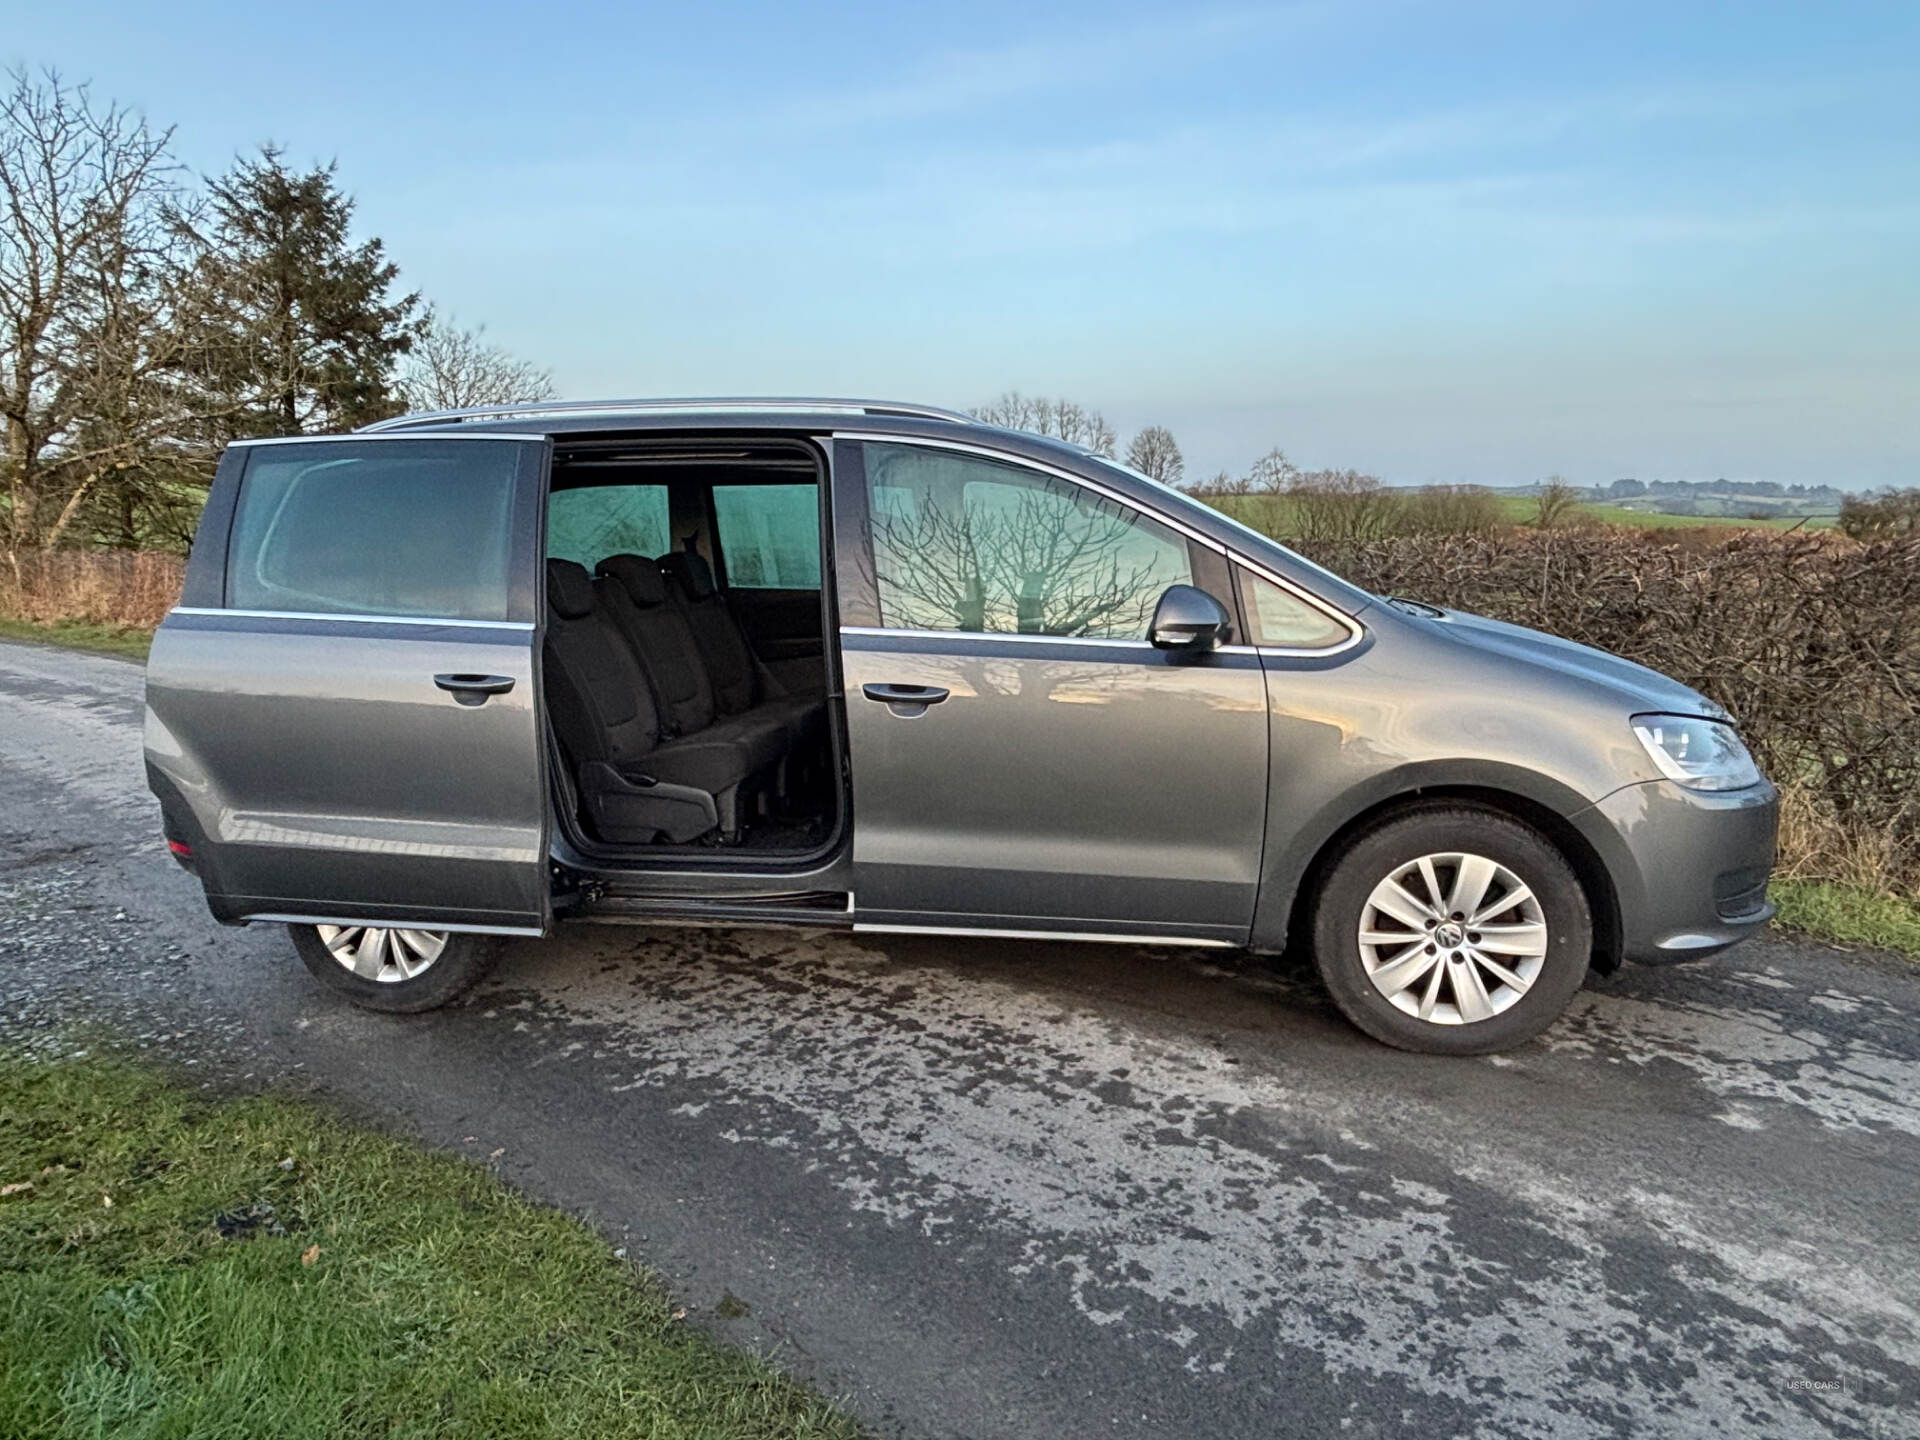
(1189, 621)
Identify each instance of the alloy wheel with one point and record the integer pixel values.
(380, 954)
(1452, 938)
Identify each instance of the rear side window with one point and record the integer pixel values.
(408, 528)
(770, 535)
(588, 524)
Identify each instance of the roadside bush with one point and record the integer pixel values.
(1811, 640)
(1342, 506)
(1883, 515)
(97, 587)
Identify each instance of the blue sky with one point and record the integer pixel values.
(1447, 241)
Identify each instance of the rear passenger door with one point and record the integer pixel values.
(342, 712)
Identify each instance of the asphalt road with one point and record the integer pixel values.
(1002, 1189)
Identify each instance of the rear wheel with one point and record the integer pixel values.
(1452, 930)
(393, 968)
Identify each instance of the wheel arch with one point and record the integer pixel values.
(1288, 891)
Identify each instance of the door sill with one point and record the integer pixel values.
(1097, 937)
(819, 909)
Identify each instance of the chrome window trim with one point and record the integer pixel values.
(289, 919)
(361, 436)
(1102, 937)
(994, 635)
(441, 621)
(1355, 632)
(1288, 652)
(997, 635)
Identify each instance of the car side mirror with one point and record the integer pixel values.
(1190, 621)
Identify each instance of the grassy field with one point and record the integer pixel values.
(130, 642)
(173, 1265)
(1270, 515)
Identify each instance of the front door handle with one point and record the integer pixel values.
(474, 689)
(906, 701)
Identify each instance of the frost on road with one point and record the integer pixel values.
(1688, 1210)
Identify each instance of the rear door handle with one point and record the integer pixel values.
(905, 700)
(474, 689)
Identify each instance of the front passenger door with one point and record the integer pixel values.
(1022, 758)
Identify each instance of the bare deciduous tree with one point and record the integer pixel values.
(451, 368)
(1061, 419)
(1271, 473)
(1340, 505)
(78, 304)
(1555, 503)
(1155, 453)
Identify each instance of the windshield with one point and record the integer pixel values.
(1337, 591)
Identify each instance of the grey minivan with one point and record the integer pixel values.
(883, 668)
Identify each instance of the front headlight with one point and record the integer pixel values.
(1699, 754)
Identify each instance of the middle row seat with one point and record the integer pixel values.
(636, 784)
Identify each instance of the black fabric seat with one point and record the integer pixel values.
(635, 785)
(739, 684)
(635, 595)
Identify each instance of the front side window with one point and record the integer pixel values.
(961, 542)
(409, 528)
(770, 535)
(591, 522)
(1282, 619)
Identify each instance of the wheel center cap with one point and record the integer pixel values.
(1449, 936)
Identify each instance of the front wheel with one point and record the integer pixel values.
(1452, 930)
(394, 969)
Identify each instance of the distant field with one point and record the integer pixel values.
(1271, 515)
(1520, 509)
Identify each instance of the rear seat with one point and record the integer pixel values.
(740, 686)
(635, 593)
(636, 785)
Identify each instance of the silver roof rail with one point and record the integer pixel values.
(737, 405)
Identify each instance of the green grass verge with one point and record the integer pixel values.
(181, 1266)
(1852, 917)
(130, 642)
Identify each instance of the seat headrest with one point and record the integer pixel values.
(638, 576)
(692, 571)
(569, 589)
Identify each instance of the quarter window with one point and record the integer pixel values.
(591, 522)
(1282, 619)
(410, 528)
(770, 535)
(965, 543)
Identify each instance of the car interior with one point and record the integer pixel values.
(685, 670)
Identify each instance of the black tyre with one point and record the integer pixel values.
(1452, 930)
(397, 970)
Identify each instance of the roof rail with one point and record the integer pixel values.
(746, 405)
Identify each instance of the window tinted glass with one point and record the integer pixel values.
(1279, 617)
(770, 535)
(397, 527)
(589, 524)
(965, 543)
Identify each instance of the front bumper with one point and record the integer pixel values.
(1689, 869)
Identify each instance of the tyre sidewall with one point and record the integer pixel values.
(1398, 842)
(459, 967)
